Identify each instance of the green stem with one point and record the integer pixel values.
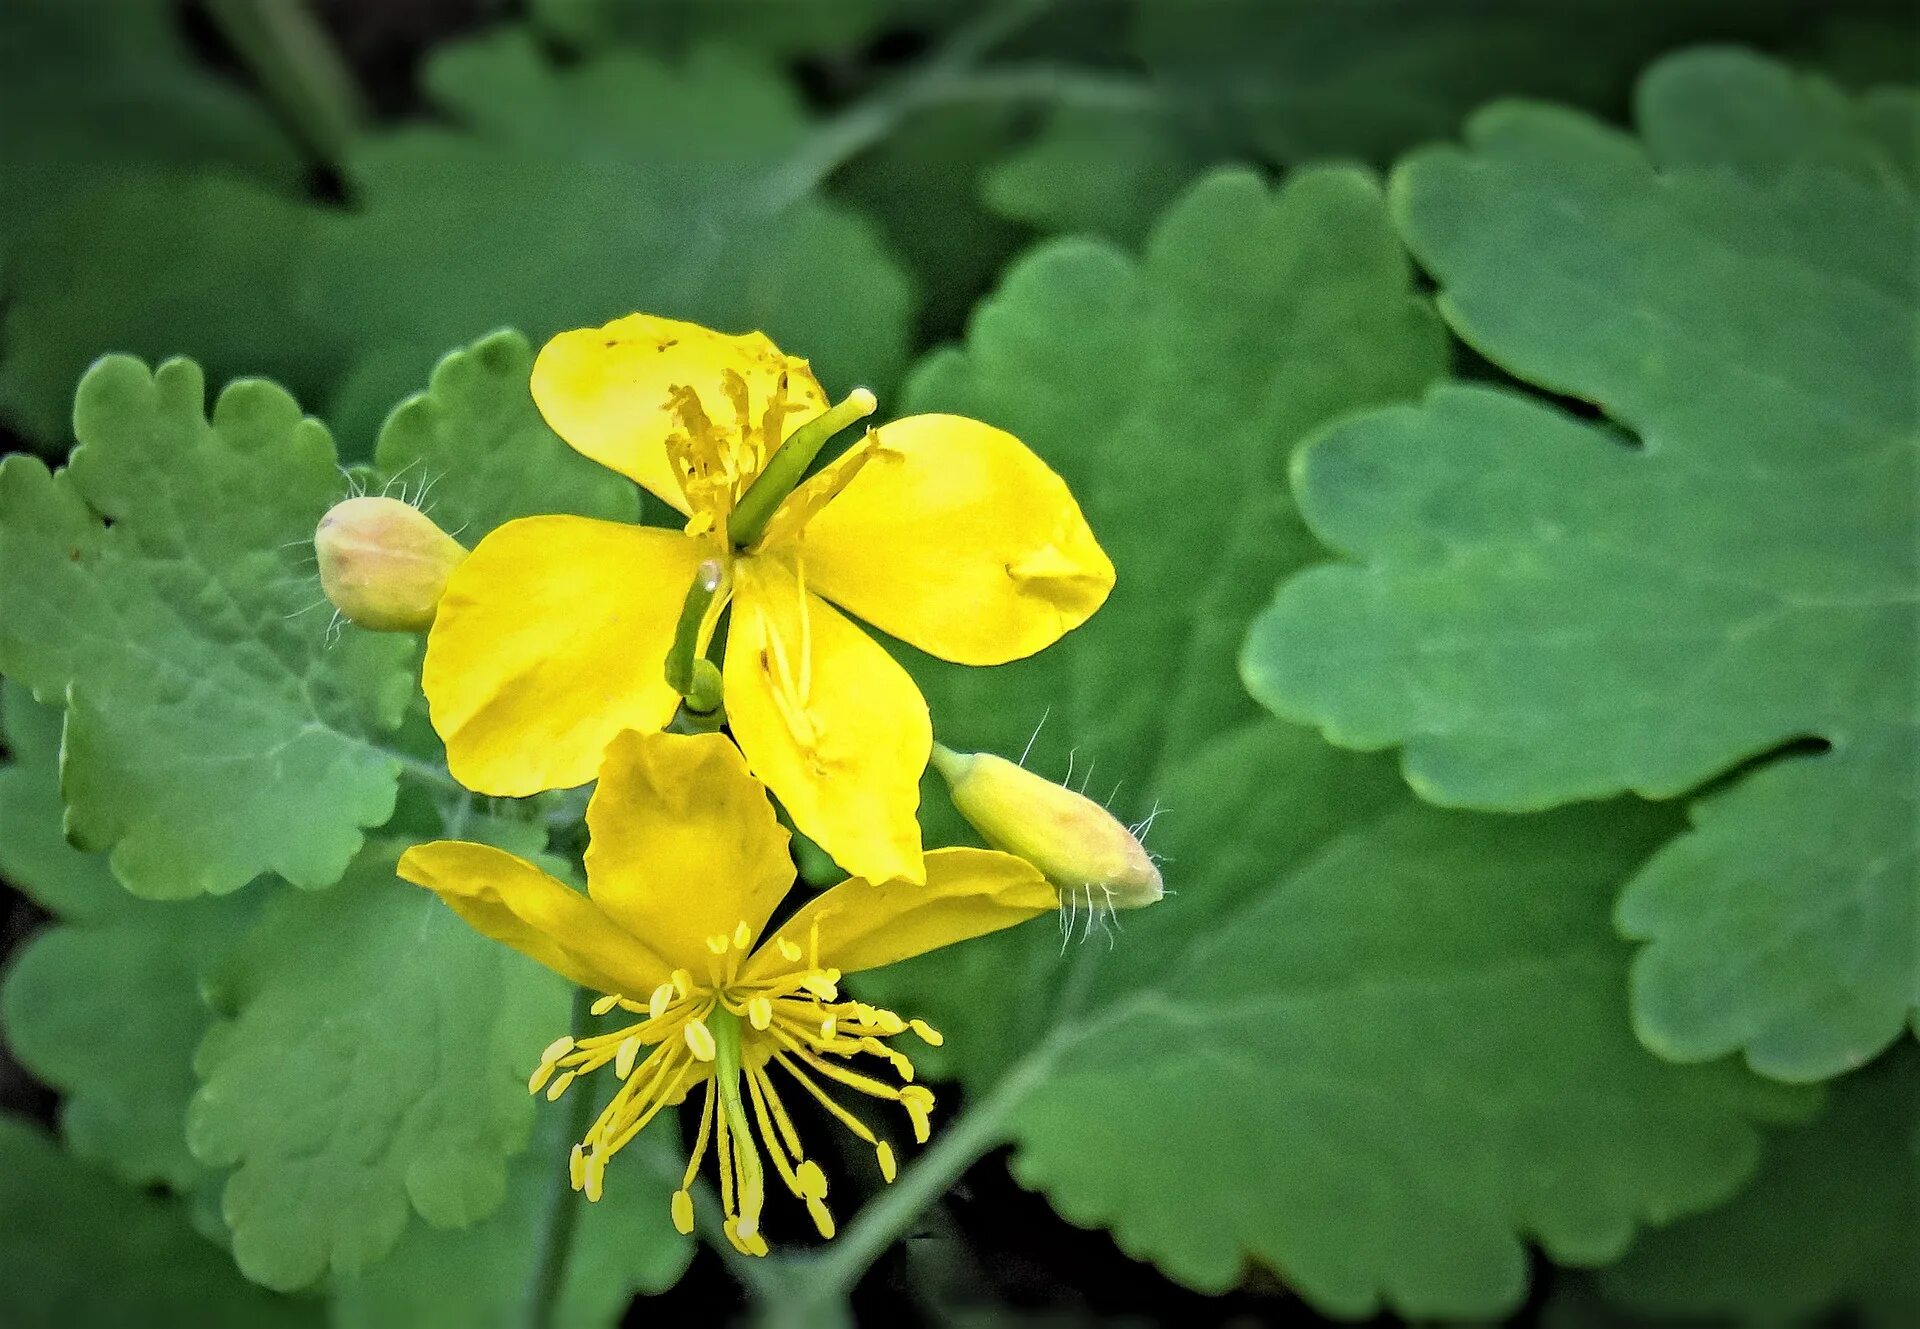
(298, 68)
(867, 122)
(831, 1277)
(686, 633)
(431, 774)
(560, 1215)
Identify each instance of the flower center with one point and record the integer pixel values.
(730, 1033)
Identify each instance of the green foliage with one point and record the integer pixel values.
(107, 1009)
(1543, 609)
(131, 100)
(213, 732)
(1256, 1039)
(477, 1277)
(82, 1251)
(558, 198)
(376, 1060)
(1829, 1225)
(1301, 79)
(1387, 1067)
(475, 451)
(1369, 1047)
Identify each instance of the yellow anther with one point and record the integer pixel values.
(760, 1012)
(828, 1026)
(742, 935)
(928, 1034)
(596, 1170)
(788, 951)
(820, 985)
(577, 1167)
(717, 943)
(822, 1218)
(683, 983)
(700, 1039)
(810, 1180)
(918, 1102)
(623, 1059)
(541, 1074)
(661, 999)
(885, 1153)
(559, 1086)
(606, 1003)
(557, 1049)
(683, 1213)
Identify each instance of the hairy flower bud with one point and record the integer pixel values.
(1078, 845)
(383, 563)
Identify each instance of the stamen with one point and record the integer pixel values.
(699, 1040)
(928, 1034)
(557, 1049)
(606, 1003)
(559, 1086)
(742, 935)
(623, 1060)
(661, 999)
(683, 1213)
(885, 1152)
(760, 1012)
(788, 951)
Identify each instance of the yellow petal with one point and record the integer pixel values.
(968, 893)
(511, 900)
(827, 720)
(955, 537)
(607, 392)
(552, 638)
(684, 843)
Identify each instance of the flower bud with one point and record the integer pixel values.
(1078, 845)
(383, 563)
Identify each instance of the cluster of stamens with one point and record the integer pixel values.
(723, 1030)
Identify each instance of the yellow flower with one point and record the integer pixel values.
(940, 530)
(685, 866)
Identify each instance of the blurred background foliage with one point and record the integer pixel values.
(335, 195)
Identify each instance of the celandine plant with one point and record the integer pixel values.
(562, 647)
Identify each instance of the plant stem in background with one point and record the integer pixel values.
(298, 68)
(830, 1277)
(560, 1215)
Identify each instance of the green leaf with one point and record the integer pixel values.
(1830, 1224)
(1543, 609)
(34, 853)
(1093, 171)
(1383, 1072)
(476, 453)
(81, 1251)
(572, 196)
(87, 101)
(376, 1061)
(1340, 976)
(921, 185)
(1168, 391)
(547, 197)
(778, 27)
(201, 265)
(1303, 79)
(479, 1277)
(213, 732)
(106, 1007)
(1185, 376)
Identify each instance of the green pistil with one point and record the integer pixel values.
(788, 465)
